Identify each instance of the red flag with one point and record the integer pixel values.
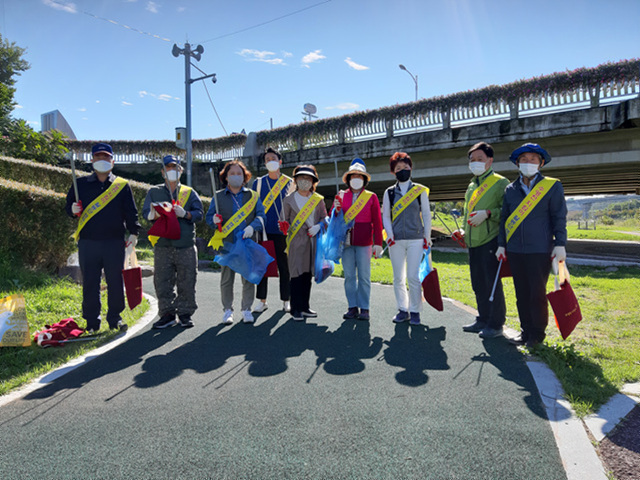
(132, 278)
(167, 225)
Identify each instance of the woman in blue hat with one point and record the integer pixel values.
(533, 231)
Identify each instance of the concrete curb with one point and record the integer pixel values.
(87, 357)
(612, 412)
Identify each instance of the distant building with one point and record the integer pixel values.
(55, 121)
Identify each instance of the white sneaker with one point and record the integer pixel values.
(228, 317)
(260, 306)
(286, 306)
(247, 316)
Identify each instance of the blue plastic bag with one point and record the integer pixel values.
(334, 238)
(425, 265)
(324, 266)
(245, 257)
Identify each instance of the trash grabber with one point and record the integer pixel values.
(495, 282)
(442, 221)
(166, 179)
(455, 214)
(75, 179)
(215, 195)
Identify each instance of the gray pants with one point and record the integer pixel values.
(227, 279)
(175, 267)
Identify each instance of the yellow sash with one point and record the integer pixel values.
(302, 217)
(357, 207)
(98, 204)
(536, 194)
(479, 192)
(275, 191)
(234, 221)
(406, 199)
(183, 196)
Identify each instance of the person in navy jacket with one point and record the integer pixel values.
(536, 241)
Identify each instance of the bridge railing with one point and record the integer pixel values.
(581, 88)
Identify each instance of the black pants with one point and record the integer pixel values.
(300, 292)
(484, 266)
(280, 244)
(95, 256)
(530, 275)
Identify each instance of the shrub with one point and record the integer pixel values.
(606, 220)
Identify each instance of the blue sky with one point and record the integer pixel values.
(112, 82)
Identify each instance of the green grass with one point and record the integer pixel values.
(48, 300)
(600, 355)
(604, 232)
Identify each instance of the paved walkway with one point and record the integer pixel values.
(280, 399)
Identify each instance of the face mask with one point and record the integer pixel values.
(273, 166)
(403, 175)
(173, 175)
(356, 183)
(102, 166)
(235, 180)
(477, 168)
(528, 169)
(304, 185)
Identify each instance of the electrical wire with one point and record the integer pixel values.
(210, 100)
(265, 23)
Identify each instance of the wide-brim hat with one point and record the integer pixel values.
(306, 171)
(357, 167)
(533, 148)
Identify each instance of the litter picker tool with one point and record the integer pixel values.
(455, 214)
(166, 179)
(215, 195)
(75, 180)
(495, 282)
(442, 221)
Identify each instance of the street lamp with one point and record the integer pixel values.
(415, 79)
(197, 54)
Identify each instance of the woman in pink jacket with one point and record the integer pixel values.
(363, 208)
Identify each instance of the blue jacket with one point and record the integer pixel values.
(544, 228)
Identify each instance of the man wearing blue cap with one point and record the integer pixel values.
(533, 232)
(106, 208)
(175, 262)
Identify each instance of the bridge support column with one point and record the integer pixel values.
(389, 125)
(594, 95)
(513, 110)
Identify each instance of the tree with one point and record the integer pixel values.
(11, 64)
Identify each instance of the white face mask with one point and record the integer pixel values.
(304, 185)
(102, 166)
(356, 183)
(273, 166)
(528, 169)
(173, 175)
(477, 168)
(235, 180)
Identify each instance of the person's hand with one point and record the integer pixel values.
(458, 236)
(559, 253)
(283, 226)
(76, 208)
(377, 251)
(217, 218)
(313, 231)
(180, 212)
(152, 215)
(477, 217)
(390, 242)
(426, 244)
(247, 232)
(132, 241)
(337, 204)
(501, 254)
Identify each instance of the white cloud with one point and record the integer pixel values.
(181, 9)
(344, 106)
(126, 104)
(152, 7)
(312, 57)
(68, 7)
(163, 96)
(354, 65)
(260, 56)
(82, 109)
(286, 54)
(18, 106)
(97, 101)
(32, 122)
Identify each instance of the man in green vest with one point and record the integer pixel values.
(482, 206)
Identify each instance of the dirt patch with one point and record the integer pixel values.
(620, 451)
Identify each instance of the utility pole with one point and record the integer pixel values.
(197, 54)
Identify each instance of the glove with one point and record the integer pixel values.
(477, 217)
(313, 231)
(217, 218)
(427, 243)
(76, 208)
(248, 232)
(180, 212)
(390, 242)
(377, 251)
(283, 226)
(501, 253)
(152, 214)
(559, 253)
(337, 204)
(458, 236)
(132, 241)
